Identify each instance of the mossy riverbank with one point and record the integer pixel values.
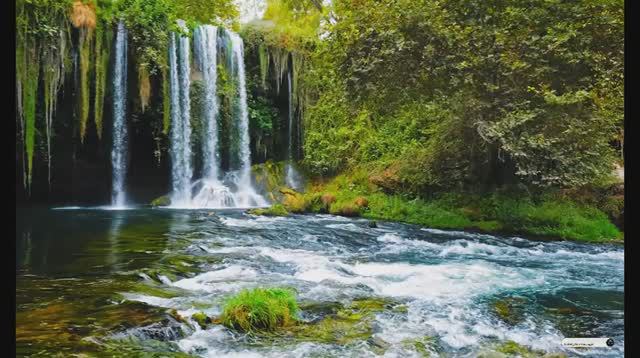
(513, 211)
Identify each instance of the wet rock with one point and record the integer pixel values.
(401, 309)
(202, 319)
(514, 349)
(174, 313)
(378, 345)
(351, 323)
(424, 346)
(161, 201)
(315, 311)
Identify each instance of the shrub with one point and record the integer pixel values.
(361, 202)
(260, 309)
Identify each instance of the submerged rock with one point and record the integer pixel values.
(514, 349)
(510, 309)
(424, 346)
(350, 323)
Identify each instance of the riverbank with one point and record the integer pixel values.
(550, 215)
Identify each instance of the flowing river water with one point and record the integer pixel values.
(104, 283)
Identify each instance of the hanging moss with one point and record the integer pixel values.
(85, 62)
(101, 52)
(20, 79)
(280, 58)
(29, 93)
(144, 86)
(42, 35)
(166, 103)
(263, 56)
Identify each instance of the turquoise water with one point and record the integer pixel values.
(104, 282)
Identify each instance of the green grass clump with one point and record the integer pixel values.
(260, 309)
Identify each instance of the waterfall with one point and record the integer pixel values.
(119, 148)
(246, 193)
(205, 53)
(234, 189)
(291, 177)
(181, 170)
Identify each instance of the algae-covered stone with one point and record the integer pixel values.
(514, 349)
(351, 323)
(161, 201)
(293, 201)
(274, 210)
(202, 319)
(424, 346)
(509, 310)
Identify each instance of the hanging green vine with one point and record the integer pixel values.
(43, 45)
(263, 57)
(101, 53)
(144, 86)
(85, 62)
(166, 103)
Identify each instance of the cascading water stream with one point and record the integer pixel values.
(119, 149)
(181, 170)
(291, 177)
(205, 53)
(210, 191)
(235, 190)
(246, 195)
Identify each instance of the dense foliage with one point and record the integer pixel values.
(455, 94)
(426, 96)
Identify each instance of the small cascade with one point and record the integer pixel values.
(119, 148)
(246, 194)
(181, 170)
(205, 53)
(213, 190)
(291, 177)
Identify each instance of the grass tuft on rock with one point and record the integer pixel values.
(260, 309)
(274, 210)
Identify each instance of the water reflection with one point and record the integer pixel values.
(113, 235)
